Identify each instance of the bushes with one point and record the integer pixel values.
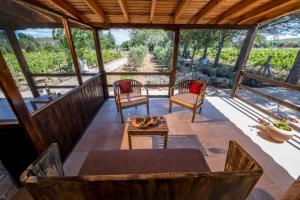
(136, 55)
(163, 54)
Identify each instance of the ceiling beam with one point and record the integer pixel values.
(153, 4)
(263, 10)
(181, 8)
(96, 9)
(279, 12)
(124, 9)
(63, 5)
(205, 10)
(233, 11)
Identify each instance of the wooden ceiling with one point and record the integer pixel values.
(131, 13)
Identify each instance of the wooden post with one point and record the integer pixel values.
(11, 91)
(243, 57)
(72, 48)
(174, 61)
(22, 61)
(100, 61)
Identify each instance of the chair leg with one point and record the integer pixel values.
(194, 114)
(200, 109)
(170, 106)
(147, 105)
(121, 113)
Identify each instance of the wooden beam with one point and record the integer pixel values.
(181, 8)
(96, 9)
(264, 9)
(174, 59)
(173, 26)
(292, 7)
(123, 7)
(14, 97)
(66, 7)
(243, 57)
(237, 9)
(72, 49)
(205, 10)
(153, 4)
(22, 61)
(100, 61)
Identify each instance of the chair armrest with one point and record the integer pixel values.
(117, 95)
(147, 90)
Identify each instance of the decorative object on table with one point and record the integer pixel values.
(280, 130)
(128, 93)
(190, 95)
(144, 122)
(155, 126)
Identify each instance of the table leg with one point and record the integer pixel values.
(166, 141)
(129, 141)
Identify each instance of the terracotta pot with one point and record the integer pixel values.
(279, 134)
(264, 127)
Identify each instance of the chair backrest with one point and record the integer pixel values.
(135, 86)
(183, 86)
(235, 183)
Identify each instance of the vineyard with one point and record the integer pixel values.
(282, 59)
(55, 62)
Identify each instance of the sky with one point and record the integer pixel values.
(121, 35)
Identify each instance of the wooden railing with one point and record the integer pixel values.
(264, 95)
(65, 119)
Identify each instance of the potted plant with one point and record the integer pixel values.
(280, 130)
(263, 124)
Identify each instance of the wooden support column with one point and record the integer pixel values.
(174, 60)
(72, 48)
(243, 57)
(13, 95)
(22, 61)
(100, 61)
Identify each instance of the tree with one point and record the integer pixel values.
(294, 74)
(27, 42)
(223, 35)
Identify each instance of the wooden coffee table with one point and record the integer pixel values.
(159, 129)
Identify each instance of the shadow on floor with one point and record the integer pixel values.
(179, 141)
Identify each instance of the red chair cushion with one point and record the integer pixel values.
(125, 86)
(195, 87)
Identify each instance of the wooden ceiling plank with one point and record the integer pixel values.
(237, 8)
(124, 9)
(264, 9)
(153, 5)
(181, 8)
(289, 9)
(205, 10)
(63, 5)
(96, 9)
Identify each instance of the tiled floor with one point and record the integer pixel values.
(218, 123)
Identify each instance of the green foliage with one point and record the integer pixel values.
(107, 40)
(136, 55)
(110, 55)
(164, 54)
(283, 59)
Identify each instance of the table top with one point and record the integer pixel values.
(161, 127)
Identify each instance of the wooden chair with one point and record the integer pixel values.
(188, 100)
(132, 99)
(45, 181)
(293, 193)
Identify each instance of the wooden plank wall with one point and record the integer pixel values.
(64, 120)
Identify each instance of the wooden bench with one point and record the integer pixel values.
(191, 179)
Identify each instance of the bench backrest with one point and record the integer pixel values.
(44, 180)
